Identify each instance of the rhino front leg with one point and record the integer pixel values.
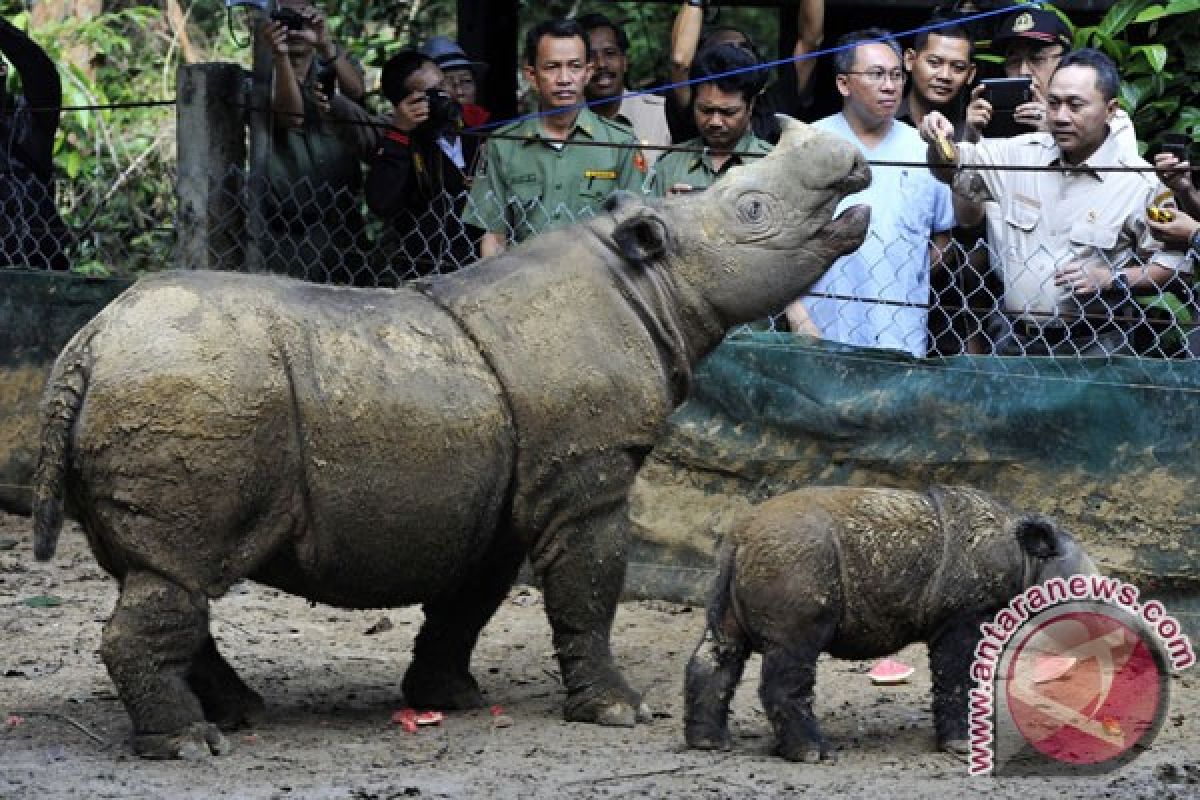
(582, 574)
(227, 702)
(149, 645)
(950, 657)
(440, 674)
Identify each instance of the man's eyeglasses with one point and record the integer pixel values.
(877, 76)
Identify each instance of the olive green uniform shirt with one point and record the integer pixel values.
(526, 186)
(696, 169)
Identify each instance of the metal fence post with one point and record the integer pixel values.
(211, 144)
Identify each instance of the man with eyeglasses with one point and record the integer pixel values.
(878, 296)
(1033, 42)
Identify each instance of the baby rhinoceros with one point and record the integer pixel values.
(861, 573)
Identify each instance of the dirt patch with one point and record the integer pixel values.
(331, 689)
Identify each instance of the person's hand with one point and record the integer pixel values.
(323, 43)
(979, 114)
(276, 36)
(1034, 113)
(1176, 234)
(323, 101)
(1084, 277)
(1176, 175)
(411, 111)
(936, 125)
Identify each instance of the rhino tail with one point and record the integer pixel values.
(61, 402)
(720, 599)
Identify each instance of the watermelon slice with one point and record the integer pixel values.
(1050, 668)
(890, 671)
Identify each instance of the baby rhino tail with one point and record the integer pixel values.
(61, 402)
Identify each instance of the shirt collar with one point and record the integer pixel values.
(1108, 154)
(749, 143)
(585, 124)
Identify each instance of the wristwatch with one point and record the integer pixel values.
(1120, 282)
(697, 3)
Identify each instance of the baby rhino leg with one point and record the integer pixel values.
(788, 676)
(712, 677)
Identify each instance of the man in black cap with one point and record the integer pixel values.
(1032, 42)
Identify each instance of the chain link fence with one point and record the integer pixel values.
(324, 233)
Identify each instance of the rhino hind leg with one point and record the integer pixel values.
(713, 673)
(950, 656)
(149, 646)
(439, 676)
(227, 702)
(786, 691)
(582, 582)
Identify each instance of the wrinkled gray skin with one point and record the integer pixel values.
(375, 448)
(861, 573)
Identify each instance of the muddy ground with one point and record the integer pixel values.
(331, 688)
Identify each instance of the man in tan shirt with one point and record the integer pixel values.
(1073, 241)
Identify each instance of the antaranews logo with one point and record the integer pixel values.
(1072, 677)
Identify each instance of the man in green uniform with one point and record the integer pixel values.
(723, 109)
(533, 177)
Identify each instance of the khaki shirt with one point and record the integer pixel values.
(1041, 220)
(526, 186)
(647, 115)
(696, 169)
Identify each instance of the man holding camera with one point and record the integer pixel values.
(417, 180)
(315, 226)
(1072, 241)
(1033, 42)
(534, 177)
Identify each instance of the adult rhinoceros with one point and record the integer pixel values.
(374, 448)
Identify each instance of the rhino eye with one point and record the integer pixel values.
(752, 210)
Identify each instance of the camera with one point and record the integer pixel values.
(290, 18)
(1178, 145)
(444, 112)
(1005, 94)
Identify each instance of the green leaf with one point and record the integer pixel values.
(1119, 16)
(74, 164)
(42, 601)
(1182, 7)
(1150, 14)
(1155, 55)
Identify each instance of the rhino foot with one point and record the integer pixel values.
(195, 742)
(606, 710)
(442, 691)
(956, 747)
(708, 739)
(807, 752)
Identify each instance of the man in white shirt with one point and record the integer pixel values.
(878, 296)
(1072, 240)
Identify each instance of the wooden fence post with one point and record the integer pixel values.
(211, 144)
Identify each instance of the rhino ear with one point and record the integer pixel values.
(1039, 536)
(642, 237)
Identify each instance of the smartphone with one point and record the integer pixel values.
(1178, 145)
(1005, 94)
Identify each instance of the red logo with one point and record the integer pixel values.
(1084, 688)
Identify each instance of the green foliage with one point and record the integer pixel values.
(1157, 48)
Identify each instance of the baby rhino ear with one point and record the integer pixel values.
(642, 237)
(1039, 536)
